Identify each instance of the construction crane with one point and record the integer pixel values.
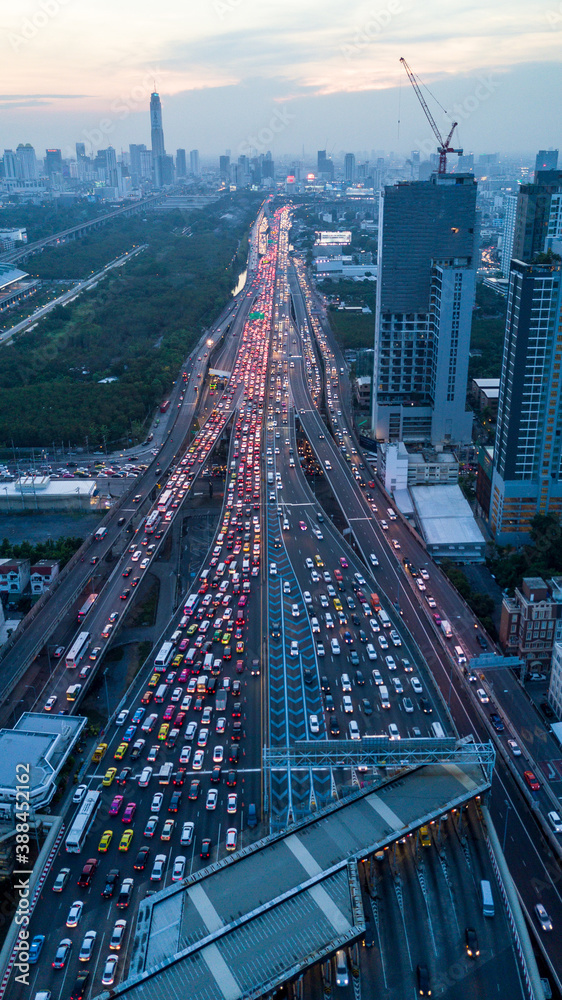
(444, 146)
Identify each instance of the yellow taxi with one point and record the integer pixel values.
(121, 751)
(125, 841)
(154, 681)
(99, 752)
(109, 776)
(164, 728)
(338, 604)
(105, 841)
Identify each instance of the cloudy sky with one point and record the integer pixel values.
(285, 75)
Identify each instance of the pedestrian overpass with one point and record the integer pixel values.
(244, 925)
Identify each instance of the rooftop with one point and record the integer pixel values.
(445, 516)
(42, 742)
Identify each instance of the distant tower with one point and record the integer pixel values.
(349, 167)
(181, 165)
(546, 159)
(194, 162)
(156, 130)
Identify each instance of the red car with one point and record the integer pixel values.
(338, 575)
(533, 783)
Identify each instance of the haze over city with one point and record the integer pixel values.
(327, 74)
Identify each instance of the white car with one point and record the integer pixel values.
(118, 932)
(197, 762)
(354, 730)
(231, 839)
(347, 703)
(187, 833)
(218, 755)
(176, 694)
(74, 913)
(307, 597)
(393, 731)
(420, 584)
(158, 868)
(395, 638)
(179, 868)
(391, 664)
(232, 802)
(212, 796)
(315, 576)
(294, 648)
(416, 685)
(273, 569)
(50, 703)
(109, 968)
(373, 558)
(121, 717)
(424, 574)
(314, 724)
(185, 755)
(514, 747)
(395, 544)
(145, 777)
(156, 803)
(320, 651)
(295, 611)
(482, 696)
(309, 564)
(407, 703)
(79, 793)
(87, 946)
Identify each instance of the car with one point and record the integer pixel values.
(482, 696)
(347, 703)
(125, 841)
(302, 525)
(395, 544)
(94, 653)
(393, 731)
(543, 917)
(150, 827)
(130, 810)
(514, 747)
(471, 942)
(496, 721)
(88, 872)
(152, 754)
(194, 789)
(212, 796)
(87, 947)
(121, 717)
(407, 703)
(416, 685)
(273, 569)
(179, 776)
(79, 794)
(74, 913)
(422, 975)
(111, 880)
(109, 776)
(187, 833)
(121, 751)
(373, 559)
(50, 703)
(105, 841)
(158, 867)
(145, 777)
(125, 894)
(314, 724)
(179, 868)
(532, 781)
(425, 706)
(342, 972)
(35, 948)
(175, 802)
(62, 953)
(108, 974)
(205, 848)
(308, 563)
(119, 927)
(231, 839)
(294, 648)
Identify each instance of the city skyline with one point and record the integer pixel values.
(325, 77)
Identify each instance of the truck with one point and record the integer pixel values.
(446, 629)
(375, 603)
(100, 533)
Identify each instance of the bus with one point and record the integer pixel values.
(152, 522)
(77, 650)
(164, 654)
(100, 533)
(164, 500)
(190, 604)
(86, 606)
(82, 822)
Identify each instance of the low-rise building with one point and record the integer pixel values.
(484, 394)
(42, 493)
(531, 622)
(362, 388)
(554, 695)
(37, 747)
(447, 524)
(14, 575)
(399, 467)
(42, 574)
(14, 287)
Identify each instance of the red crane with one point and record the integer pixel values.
(444, 146)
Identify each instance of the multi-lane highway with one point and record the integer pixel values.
(287, 633)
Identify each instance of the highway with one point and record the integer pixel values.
(283, 630)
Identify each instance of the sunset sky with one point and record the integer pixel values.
(280, 75)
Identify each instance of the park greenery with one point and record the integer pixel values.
(541, 557)
(487, 336)
(137, 326)
(50, 217)
(481, 604)
(53, 548)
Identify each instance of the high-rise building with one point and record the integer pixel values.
(80, 150)
(27, 163)
(10, 164)
(268, 166)
(156, 130)
(546, 159)
(224, 169)
(181, 163)
(510, 213)
(533, 212)
(324, 165)
(53, 162)
(425, 295)
(527, 475)
(194, 162)
(111, 167)
(145, 164)
(349, 167)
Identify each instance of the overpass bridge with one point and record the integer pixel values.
(246, 924)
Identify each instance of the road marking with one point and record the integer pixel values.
(205, 908)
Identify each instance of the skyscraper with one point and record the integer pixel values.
(111, 167)
(194, 162)
(325, 166)
(224, 168)
(10, 164)
(510, 213)
(527, 475)
(135, 150)
(80, 150)
(156, 130)
(546, 159)
(27, 163)
(349, 167)
(53, 162)
(181, 163)
(425, 295)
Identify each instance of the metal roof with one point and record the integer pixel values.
(247, 923)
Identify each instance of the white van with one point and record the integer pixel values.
(383, 692)
(371, 651)
(459, 653)
(165, 773)
(437, 731)
(391, 513)
(208, 661)
(354, 730)
(345, 682)
(220, 569)
(335, 647)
